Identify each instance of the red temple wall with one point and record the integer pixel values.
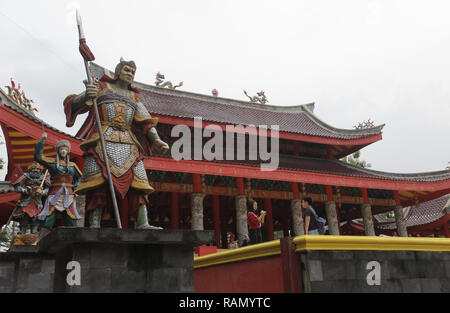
(258, 275)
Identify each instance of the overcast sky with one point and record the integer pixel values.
(384, 60)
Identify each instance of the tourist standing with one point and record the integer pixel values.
(310, 217)
(255, 221)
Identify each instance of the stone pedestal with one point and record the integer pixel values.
(366, 212)
(241, 218)
(400, 221)
(197, 211)
(297, 218)
(81, 205)
(333, 224)
(109, 260)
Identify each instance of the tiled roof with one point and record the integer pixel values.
(341, 168)
(296, 119)
(425, 213)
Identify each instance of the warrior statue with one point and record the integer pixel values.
(259, 98)
(32, 186)
(65, 177)
(163, 84)
(129, 133)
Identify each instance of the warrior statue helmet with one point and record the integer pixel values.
(121, 64)
(64, 153)
(35, 169)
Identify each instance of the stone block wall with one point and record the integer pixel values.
(35, 274)
(399, 271)
(26, 273)
(131, 268)
(7, 269)
(104, 260)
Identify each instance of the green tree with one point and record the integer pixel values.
(354, 159)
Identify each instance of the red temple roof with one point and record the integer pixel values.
(22, 130)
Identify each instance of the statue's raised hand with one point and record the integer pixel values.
(91, 91)
(161, 146)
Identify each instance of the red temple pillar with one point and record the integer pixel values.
(223, 222)
(446, 230)
(269, 218)
(285, 224)
(216, 219)
(197, 182)
(174, 211)
(240, 186)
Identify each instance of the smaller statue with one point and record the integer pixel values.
(14, 93)
(365, 125)
(163, 84)
(27, 103)
(215, 92)
(259, 98)
(32, 186)
(65, 177)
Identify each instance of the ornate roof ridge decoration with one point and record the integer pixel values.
(162, 83)
(8, 102)
(365, 125)
(259, 98)
(18, 96)
(306, 109)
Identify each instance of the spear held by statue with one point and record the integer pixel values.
(87, 57)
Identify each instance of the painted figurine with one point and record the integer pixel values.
(129, 133)
(65, 177)
(160, 82)
(19, 97)
(259, 98)
(32, 185)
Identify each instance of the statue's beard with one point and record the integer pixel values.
(35, 174)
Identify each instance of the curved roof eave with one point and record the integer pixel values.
(4, 99)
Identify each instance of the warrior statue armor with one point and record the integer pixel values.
(65, 177)
(129, 133)
(32, 186)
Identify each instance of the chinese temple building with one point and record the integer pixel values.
(212, 194)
